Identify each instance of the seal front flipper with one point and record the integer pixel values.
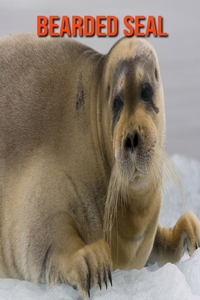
(89, 266)
(171, 243)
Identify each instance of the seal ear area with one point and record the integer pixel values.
(146, 96)
(156, 74)
(108, 93)
(80, 96)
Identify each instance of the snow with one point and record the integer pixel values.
(180, 281)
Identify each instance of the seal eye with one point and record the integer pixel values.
(146, 93)
(117, 104)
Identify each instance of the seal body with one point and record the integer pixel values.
(49, 134)
(82, 143)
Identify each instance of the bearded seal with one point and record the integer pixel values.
(82, 150)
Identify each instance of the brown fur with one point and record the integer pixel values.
(68, 178)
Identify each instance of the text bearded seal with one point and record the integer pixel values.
(82, 138)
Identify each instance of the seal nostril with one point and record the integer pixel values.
(128, 143)
(135, 140)
(131, 141)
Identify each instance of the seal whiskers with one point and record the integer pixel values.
(170, 175)
(116, 196)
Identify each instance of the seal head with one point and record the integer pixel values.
(136, 109)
